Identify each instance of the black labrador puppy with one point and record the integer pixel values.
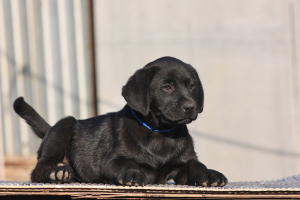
(147, 142)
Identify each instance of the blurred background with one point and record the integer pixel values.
(72, 57)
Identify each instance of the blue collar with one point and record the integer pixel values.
(148, 127)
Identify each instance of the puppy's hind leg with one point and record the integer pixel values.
(50, 167)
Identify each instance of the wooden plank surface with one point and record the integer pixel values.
(287, 188)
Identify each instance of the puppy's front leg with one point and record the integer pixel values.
(125, 172)
(195, 173)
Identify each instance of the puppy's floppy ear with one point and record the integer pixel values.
(136, 91)
(200, 93)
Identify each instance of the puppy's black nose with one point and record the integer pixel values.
(188, 107)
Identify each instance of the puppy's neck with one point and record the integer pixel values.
(153, 122)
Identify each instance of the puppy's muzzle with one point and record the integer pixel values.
(188, 108)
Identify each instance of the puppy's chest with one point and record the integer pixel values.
(163, 150)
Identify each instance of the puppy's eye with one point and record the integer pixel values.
(191, 86)
(167, 87)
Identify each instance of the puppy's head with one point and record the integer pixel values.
(169, 88)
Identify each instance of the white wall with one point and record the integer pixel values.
(45, 56)
(247, 56)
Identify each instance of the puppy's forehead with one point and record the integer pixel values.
(175, 72)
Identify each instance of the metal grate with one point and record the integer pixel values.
(283, 188)
(291, 184)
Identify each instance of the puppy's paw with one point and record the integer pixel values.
(62, 173)
(132, 177)
(209, 178)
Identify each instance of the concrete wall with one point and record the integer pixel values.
(247, 56)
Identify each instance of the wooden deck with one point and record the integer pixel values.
(288, 188)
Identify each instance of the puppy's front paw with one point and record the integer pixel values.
(132, 177)
(62, 173)
(209, 178)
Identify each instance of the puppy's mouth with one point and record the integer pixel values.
(175, 121)
(185, 121)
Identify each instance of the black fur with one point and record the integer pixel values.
(115, 148)
(39, 126)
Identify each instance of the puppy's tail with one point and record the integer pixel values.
(39, 126)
